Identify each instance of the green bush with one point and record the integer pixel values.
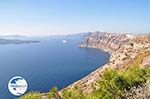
(31, 95)
(74, 93)
(52, 92)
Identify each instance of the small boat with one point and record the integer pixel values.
(64, 41)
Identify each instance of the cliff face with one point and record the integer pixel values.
(121, 46)
(107, 41)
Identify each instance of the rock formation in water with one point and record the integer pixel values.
(15, 41)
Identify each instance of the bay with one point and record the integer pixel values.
(48, 63)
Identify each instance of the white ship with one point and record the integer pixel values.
(64, 41)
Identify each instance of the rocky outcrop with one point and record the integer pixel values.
(106, 41)
(146, 61)
(140, 92)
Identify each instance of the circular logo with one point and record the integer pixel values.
(17, 86)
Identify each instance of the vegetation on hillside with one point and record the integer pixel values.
(112, 85)
(31, 95)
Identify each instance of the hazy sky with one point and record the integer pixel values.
(44, 17)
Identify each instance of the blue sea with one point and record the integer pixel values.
(47, 64)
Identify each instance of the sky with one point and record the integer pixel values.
(59, 17)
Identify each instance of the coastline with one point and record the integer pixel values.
(119, 58)
(89, 78)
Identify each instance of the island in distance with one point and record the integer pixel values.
(16, 41)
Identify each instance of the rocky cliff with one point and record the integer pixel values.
(106, 41)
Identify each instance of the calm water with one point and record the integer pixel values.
(46, 64)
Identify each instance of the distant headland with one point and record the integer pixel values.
(15, 41)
